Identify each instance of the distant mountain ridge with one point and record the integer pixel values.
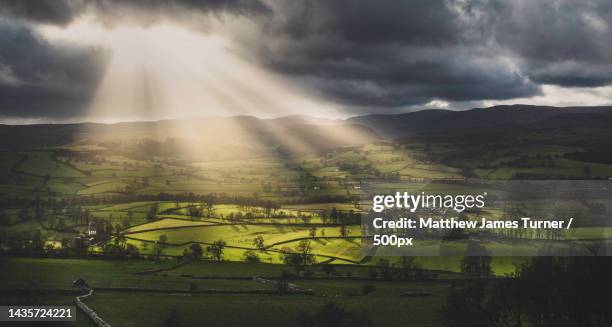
(246, 134)
(304, 133)
(506, 116)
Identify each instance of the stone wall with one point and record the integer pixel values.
(88, 311)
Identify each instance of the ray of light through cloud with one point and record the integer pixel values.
(164, 71)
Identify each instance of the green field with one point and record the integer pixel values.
(382, 306)
(128, 214)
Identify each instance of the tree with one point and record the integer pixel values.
(209, 208)
(251, 256)
(477, 261)
(194, 211)
(324, 216)
(81, 284)
(464, 306)
(216, 250)
(334, 215)
(304, 250)
(37, 243)
(152, 213)
(544, 292)
(120, 240)
(163, 238)
(289, 257)
(409, 268)
(282, 283)
(194, 251)
(259, 242)
(131, 251)
(113, 250)
(344, 231)
(160, 245)
(65, 243)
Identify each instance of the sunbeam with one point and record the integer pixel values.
(164, 72)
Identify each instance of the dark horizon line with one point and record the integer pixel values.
(331, 120)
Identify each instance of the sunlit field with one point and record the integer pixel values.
(139, 222)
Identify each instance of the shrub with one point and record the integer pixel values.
(251, 256)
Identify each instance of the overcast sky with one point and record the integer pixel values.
(70, 60)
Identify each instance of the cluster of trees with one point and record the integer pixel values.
(152, 212)
(34, 243)
(31, 242)
(84, 200)
(254, 212)
(343, 217)
(119, 248)
(477, 262)
(213, 251)
(204, 209)
(406, 268)
(300, 256)
(529, 233)
(544, 292)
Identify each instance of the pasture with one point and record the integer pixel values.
(383, 306)
(148, 213)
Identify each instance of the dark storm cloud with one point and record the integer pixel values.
(358, 53)
(400, 53)
(61, 12)
(153, 11)
(45, 11)
(39, 79)
(371, 22)
(389, 54)
(560, 42)
(408, 76)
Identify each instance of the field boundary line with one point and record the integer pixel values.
(235, 247)
(153, 271)
(90, 312)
